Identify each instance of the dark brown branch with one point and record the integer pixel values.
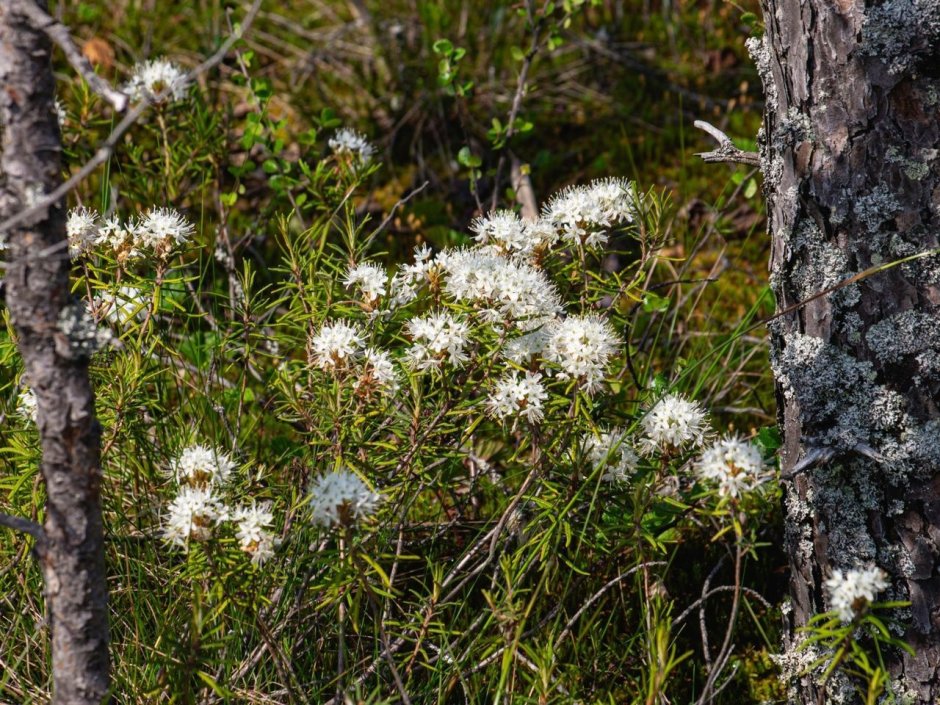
(726, 151)
(22, 525)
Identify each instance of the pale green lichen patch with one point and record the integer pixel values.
(877, 207)
(904, 334)
(844, 408)
(901, 32)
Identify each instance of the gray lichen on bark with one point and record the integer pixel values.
(849, 152)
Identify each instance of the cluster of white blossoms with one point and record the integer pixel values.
(514, 237)
(26, 405)
(437, 338)
(340, 348)
(674, 423)
(353, 146)
(203, 475)
(159, 231)
(150, 78)
(337, 345)
(611, 451)
(370, 279)
(122, 306)
(851, 592)
(199, 466)
(581, 346)
(584, 215)
(503, 289)
(252, 529)
(192, 515)
(518, 396)
(377, 373)
(734, 464)
(340, 498)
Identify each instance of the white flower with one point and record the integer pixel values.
(26, 405)
(150, 78)
(525, 349)
(610, 450)
(513, 236)
(437, 337)
(409, 278)
(508, 290)
(200, 466)
(251, 530)
(584, 214)
(336, 345)
(674, 422)
(518, 396)
(853, 591)
(119, 236)
(350, 143)
(735, 464)
(582, 346)
(370, 278)
(192, 514)
(122, 306)
(82, 229)
(377, 372)
(341, 497)
(163, 229)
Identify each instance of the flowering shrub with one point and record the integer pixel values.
(332, 471)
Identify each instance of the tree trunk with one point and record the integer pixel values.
(850, 151)
(56, 356)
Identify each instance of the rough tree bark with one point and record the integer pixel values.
(55, 349)
(850, 151)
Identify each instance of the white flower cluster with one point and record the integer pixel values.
(734, 464)
(199, 466)
(377, 373)
(371, 280)
(159, 231)
(203, 475)
(611, 451)
(506, 290)
(122, 306)
(581, 346)
(437, 338)
(674, 423)
(516, 395)
(340, 498)
(353, 146)
(150, 78)
(585, 214)
(337, 345)
(340, 347)
(852, 591)
(514, 237)
(26, 405)
(252, 529)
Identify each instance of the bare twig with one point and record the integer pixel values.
(726, 151)
(522, 185)
(59, 34)
(597, 595)
(22, 524)
(107, 147)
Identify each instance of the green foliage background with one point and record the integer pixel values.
(613, 90)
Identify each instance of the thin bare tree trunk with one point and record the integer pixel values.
(851, 160)
(70, 547)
